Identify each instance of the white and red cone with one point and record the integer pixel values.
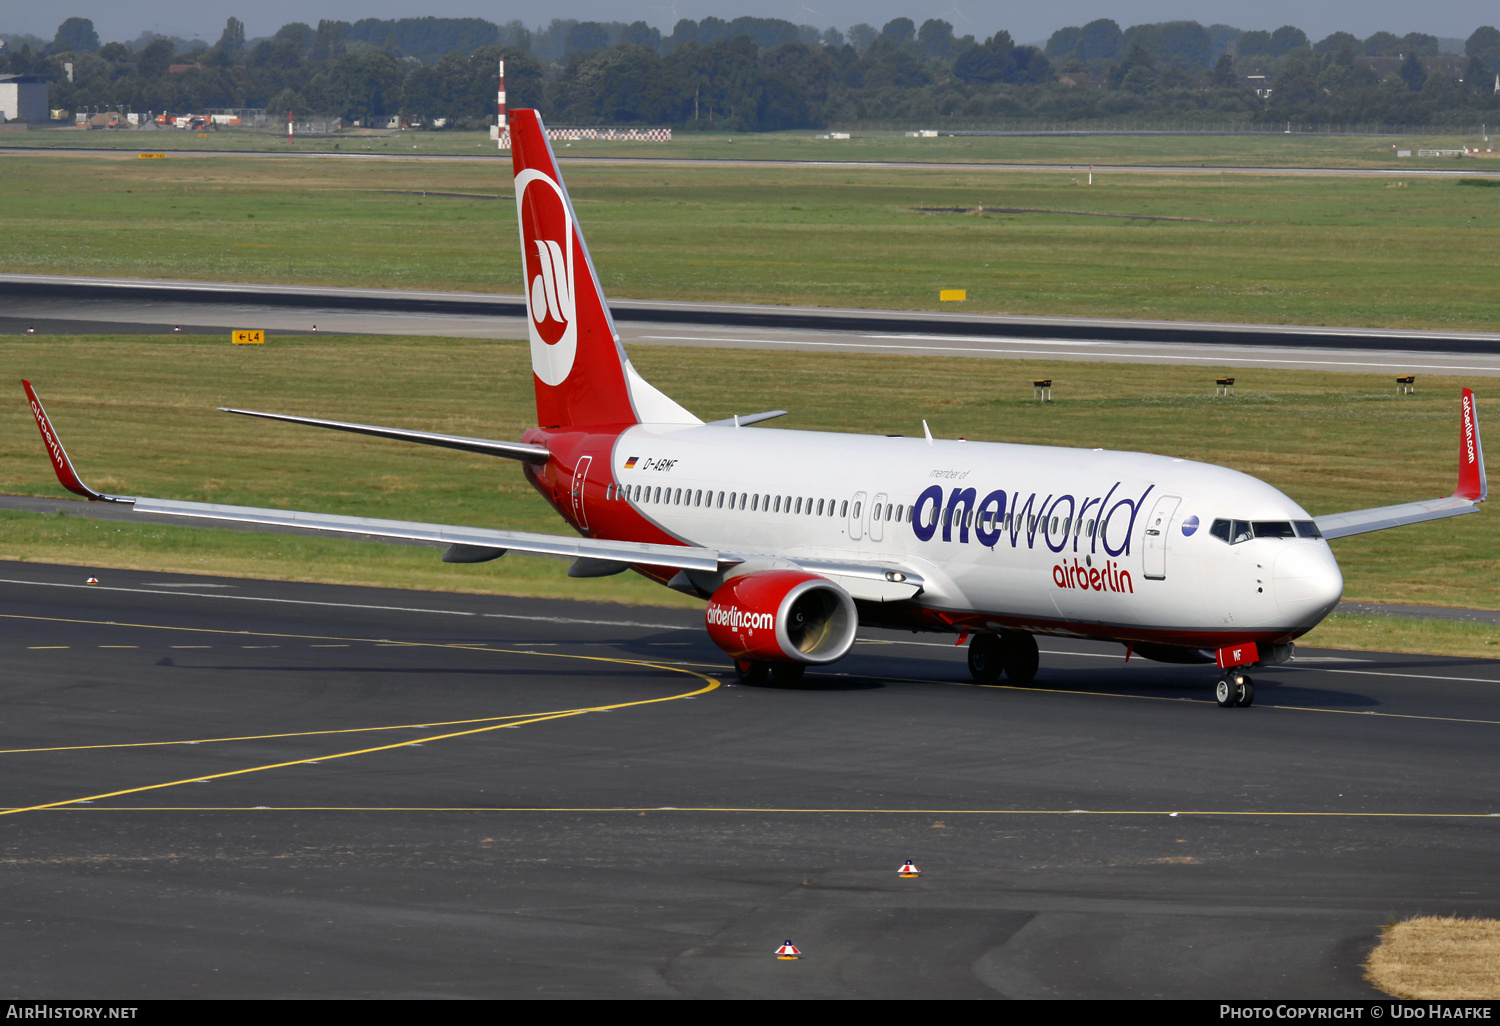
(92, 580)
(788, 951)
(908, 869)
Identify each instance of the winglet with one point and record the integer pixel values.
(1472, 483)
(66, 475)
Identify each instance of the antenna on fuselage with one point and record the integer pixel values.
(927, 431)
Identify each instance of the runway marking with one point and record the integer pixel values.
(671, 666)
(1206, 701)
(47, 648)
(764, 810)
(537, 717)
(350, 605)
(712, 684)
(1228, 358)
(1417, 676)
(271, 737)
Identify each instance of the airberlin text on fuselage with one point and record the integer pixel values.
(736, 618)
(1108, 577)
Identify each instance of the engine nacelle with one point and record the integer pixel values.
(782, 616)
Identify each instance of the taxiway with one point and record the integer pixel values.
(238, 788)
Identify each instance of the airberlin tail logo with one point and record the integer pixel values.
(547, 251)
(1469, 454)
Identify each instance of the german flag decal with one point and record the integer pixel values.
(630, 463)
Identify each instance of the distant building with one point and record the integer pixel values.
(1260, 83)
(24, 98)
(1453, 67)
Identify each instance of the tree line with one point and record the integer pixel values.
(750, 74)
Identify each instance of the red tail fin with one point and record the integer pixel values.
(1472, 482)
(581, 372)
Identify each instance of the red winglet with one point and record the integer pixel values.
(1472, 483)
(66, 475)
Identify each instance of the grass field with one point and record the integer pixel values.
(1348, 251)
(138, 417)
(1271, 150)
(1438, 958)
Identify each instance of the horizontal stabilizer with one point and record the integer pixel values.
(746, 419)
(509, 450)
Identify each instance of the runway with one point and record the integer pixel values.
(57, 304)
(237, 788)
(1467, 170)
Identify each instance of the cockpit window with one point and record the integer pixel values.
(1231, 531)
(1236, 531)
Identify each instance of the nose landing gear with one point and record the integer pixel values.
(1234, 690)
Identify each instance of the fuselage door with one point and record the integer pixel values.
(1154, 547)
(580, 476)
(877, 517)
(857, 512)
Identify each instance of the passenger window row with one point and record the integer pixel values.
(1236, 531)
(796, 505)
(709, 499)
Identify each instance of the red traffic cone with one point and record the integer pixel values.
(908, 869)
(92, 580)
(788, 951)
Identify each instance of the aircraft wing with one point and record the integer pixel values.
(592, 556)
(495, 543)
(1473, 488)
(1363, 521)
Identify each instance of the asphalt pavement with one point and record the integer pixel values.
(237, 788)
(65, 304)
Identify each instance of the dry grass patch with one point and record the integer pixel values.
(1438, 957)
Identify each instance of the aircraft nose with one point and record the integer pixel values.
(1307, 583)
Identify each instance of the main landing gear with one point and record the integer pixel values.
(1012, 653)
(1234, 690)
(781, 675)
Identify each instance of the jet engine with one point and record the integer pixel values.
(782, 616)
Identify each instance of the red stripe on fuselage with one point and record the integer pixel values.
(614, 519)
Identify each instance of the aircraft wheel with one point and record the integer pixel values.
(750, 672)
(987, 657)
(1226, 691)
(1244, 693)
(1022, 658)
(787, 675)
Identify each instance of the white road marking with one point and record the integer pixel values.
(354, 605)
(1417, 676)
(1175, 356)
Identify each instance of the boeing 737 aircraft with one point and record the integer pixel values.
(795, 538)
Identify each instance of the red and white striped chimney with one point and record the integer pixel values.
(501, 128)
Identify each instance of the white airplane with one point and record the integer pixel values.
(797, 537)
